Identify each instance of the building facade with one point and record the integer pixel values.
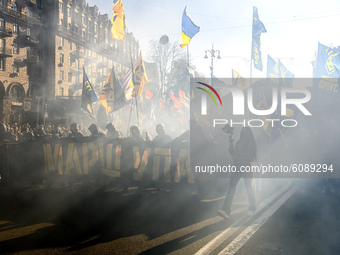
(44, 62)
(20, 48)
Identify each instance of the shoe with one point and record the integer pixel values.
(223, 214)
(251, 213)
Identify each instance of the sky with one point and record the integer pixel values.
(294, 29)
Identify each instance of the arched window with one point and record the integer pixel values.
(16, 93)
(15, 7)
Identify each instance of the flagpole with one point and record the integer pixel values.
(188, 55)
(251, 51)
(132, 75)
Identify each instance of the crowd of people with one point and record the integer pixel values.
(25, 133)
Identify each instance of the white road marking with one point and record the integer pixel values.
(242, 238)
(218, 240)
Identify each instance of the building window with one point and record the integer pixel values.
(61, 58)
(16, 48)
(15, 28)
(39, 4)
(15, 7)
(68, 12)
(70, 45)
(61, 41)
(61, 22)
(16, 68)
(76, 29)
(28, 12)
(69, 77)
(60, 6)
(2, 45)
(62, 91)
(69, 61)
(69, 26)
(28, 51)
(2, 23)
(90, 53)
(28, 32)
(1, 3)
(2, 64)
(77, 64)
(61, 75)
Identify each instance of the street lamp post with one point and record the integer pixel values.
(212, 55)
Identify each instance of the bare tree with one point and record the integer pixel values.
(165, 56)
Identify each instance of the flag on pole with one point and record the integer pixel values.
(328, 62)
(148, 94)
(88, 95)
(258, 28)
(273, 70)
(238, 80)
(118, 21)
(189, 29)
(140, 78)
(112, 96)
(285, 75)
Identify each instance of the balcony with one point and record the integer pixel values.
(76, 72)
(5, 32)
(89, 60)
(101, 78)
(5, 53)
(27, 39)
(102, 65)
(78, 54)
(32, 59)
(20, 17)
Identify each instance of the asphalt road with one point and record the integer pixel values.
(77, 220)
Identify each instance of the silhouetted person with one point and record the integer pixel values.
(94, 132)
(243, 153)
(112, 131)
(161, 139)
(75, 132)
(4, 136)
(135, 134)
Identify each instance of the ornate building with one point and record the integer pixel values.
(20, 49)
(43, 62)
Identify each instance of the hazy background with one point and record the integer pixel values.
(293, 30)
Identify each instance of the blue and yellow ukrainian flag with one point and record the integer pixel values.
(189, 29)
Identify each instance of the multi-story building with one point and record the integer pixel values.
(20, 49)
(43, 51)
(81, 38)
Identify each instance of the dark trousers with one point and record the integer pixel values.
(234, 179)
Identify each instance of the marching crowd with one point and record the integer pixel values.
(25, 133)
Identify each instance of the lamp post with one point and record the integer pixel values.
(212, 55)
